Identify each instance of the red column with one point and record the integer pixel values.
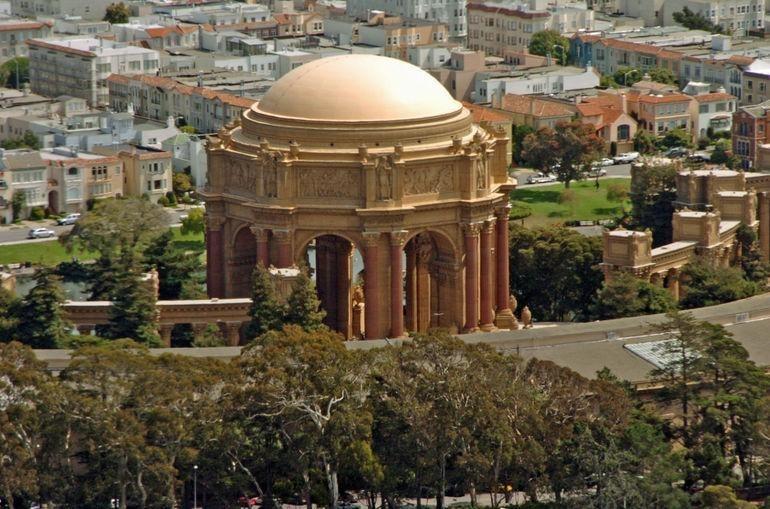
(397, 240)
(263, 247)
(471, 277)
(503, 269)
(215, 277)
(764, 225)
(487, 294)
(371, 284)
(411, 285)
(283, 241)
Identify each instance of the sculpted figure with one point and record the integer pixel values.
(512, 303)
(526, 317)
(481, 172)
(384, 170)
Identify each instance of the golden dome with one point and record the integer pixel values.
(357, 88)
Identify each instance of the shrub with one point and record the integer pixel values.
(171, 198)
(37, 213)
(703, 143)
(163, 201)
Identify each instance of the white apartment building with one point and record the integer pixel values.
(86, 9)
(501, 29)
(450, 12)
(550, 82)
(734, 16)
(229, 14)
(80, 67)
(13, 33)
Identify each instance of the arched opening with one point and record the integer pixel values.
(53, 202)
(336, 266)
(242, 262)
(431, 283)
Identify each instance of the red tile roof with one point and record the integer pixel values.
(172, 85)
(484, 114)
(24, 25)
(662, 99)
(646, 49)
(714, 96)
(528, 105)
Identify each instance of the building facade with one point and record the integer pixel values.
(146, 171)
(751, 129)
(451, 12)
(88, 10)
(14, 32)
(80, 67)
(736, 17)
(317, 172)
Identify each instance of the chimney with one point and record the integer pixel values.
(624, 103)
(497, 99)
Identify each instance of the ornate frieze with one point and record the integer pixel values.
(328, 183)
(422, 180)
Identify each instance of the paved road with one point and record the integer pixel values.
(618, 170)
(15, 234)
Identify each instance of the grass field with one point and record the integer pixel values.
(588, 203)
(51, 252)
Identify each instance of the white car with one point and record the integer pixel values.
(606, 161)
(68, 219)
(628, 157)
(539, 178)
(40, 233)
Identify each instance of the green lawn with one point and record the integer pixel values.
(51, 252)
(589, 203)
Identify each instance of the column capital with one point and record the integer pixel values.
(283, 236)
(371, 239)
(503, 212)
(214, 223)
(259, 233)
(398, 238)
(488, 226)
(471, 229)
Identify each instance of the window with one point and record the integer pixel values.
(73, 172)
(703, 108)
(721, 107)
(624, 132)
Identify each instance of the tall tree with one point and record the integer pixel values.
(754, 268)
(696, 21)
(550, 43)
(116, 13)
(653, 190)
(554, 271)
(571, 147)
(15, 72)
(303, 307)
(9, 314)
(266, 312)
(42, 323)
(180, 273)
(706, 285)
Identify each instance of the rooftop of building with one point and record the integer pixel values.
(12, 24)
(67, 155)
(529, 105)
(90, 47)
(508, 9)
(485, 114)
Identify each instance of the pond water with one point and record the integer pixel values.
(72, 291)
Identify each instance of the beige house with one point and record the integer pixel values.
(536, 113)
(658, 113)
(609, 115)
(146, 171)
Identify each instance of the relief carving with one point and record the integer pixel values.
(328, 183)
(270, 173)
(427, 180)
(242, 177)
(481, 171)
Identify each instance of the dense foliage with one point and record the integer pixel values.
(696, 21)
(550, 42)
(299, 418)
(653, 191)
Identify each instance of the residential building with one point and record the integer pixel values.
(715, 109)
(658, 113)
(13, 33)
(459, 75)
(227, 14)
(295, 24)
(189, 156)
(452, 13)
(160, 98)
(60, 180)
(608, 114)
(495, 119)
(736, 17)
(751, 129)
(146, 171)
(535, 112)
(86, 9)
(80, 67)
(610, 55)
(551, 80)
(158, 37)
(719, 71)
(756, 82)
(75, 25)
(395, 34)
(502, 28)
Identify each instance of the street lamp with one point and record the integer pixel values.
(563, 53)
(195, 486)
(625, 76)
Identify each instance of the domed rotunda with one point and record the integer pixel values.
(367, 158)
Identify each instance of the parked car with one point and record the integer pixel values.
(677, 152)
(540, 178)
(699, 157)
(68, 219)
(606, 161)
(628, 157)
(596, 171)
(40, 233)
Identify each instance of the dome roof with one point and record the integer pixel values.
(357, 88)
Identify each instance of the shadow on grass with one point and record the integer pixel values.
(535, 196)
(559, 213)
(189, 245)
(606, 211)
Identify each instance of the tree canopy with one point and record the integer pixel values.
(626, 295)
(653, 191)
(550, 42)
(116, 13)
(696, 21)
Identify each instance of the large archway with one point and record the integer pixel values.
(242, 262)
(430, 295)
(53, 202)
(336, 266)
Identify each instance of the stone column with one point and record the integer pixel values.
(485, 284)
(424, 287)
(165, 333)
(471, 233)
(397, 240)
(198, 329)
(344, 287)
(283, 241)
(673, 283)
(764, 225)
(372, 289)
(215, 274)
(504, 318)
(233, 333)
(263, 247)
(411, 285)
